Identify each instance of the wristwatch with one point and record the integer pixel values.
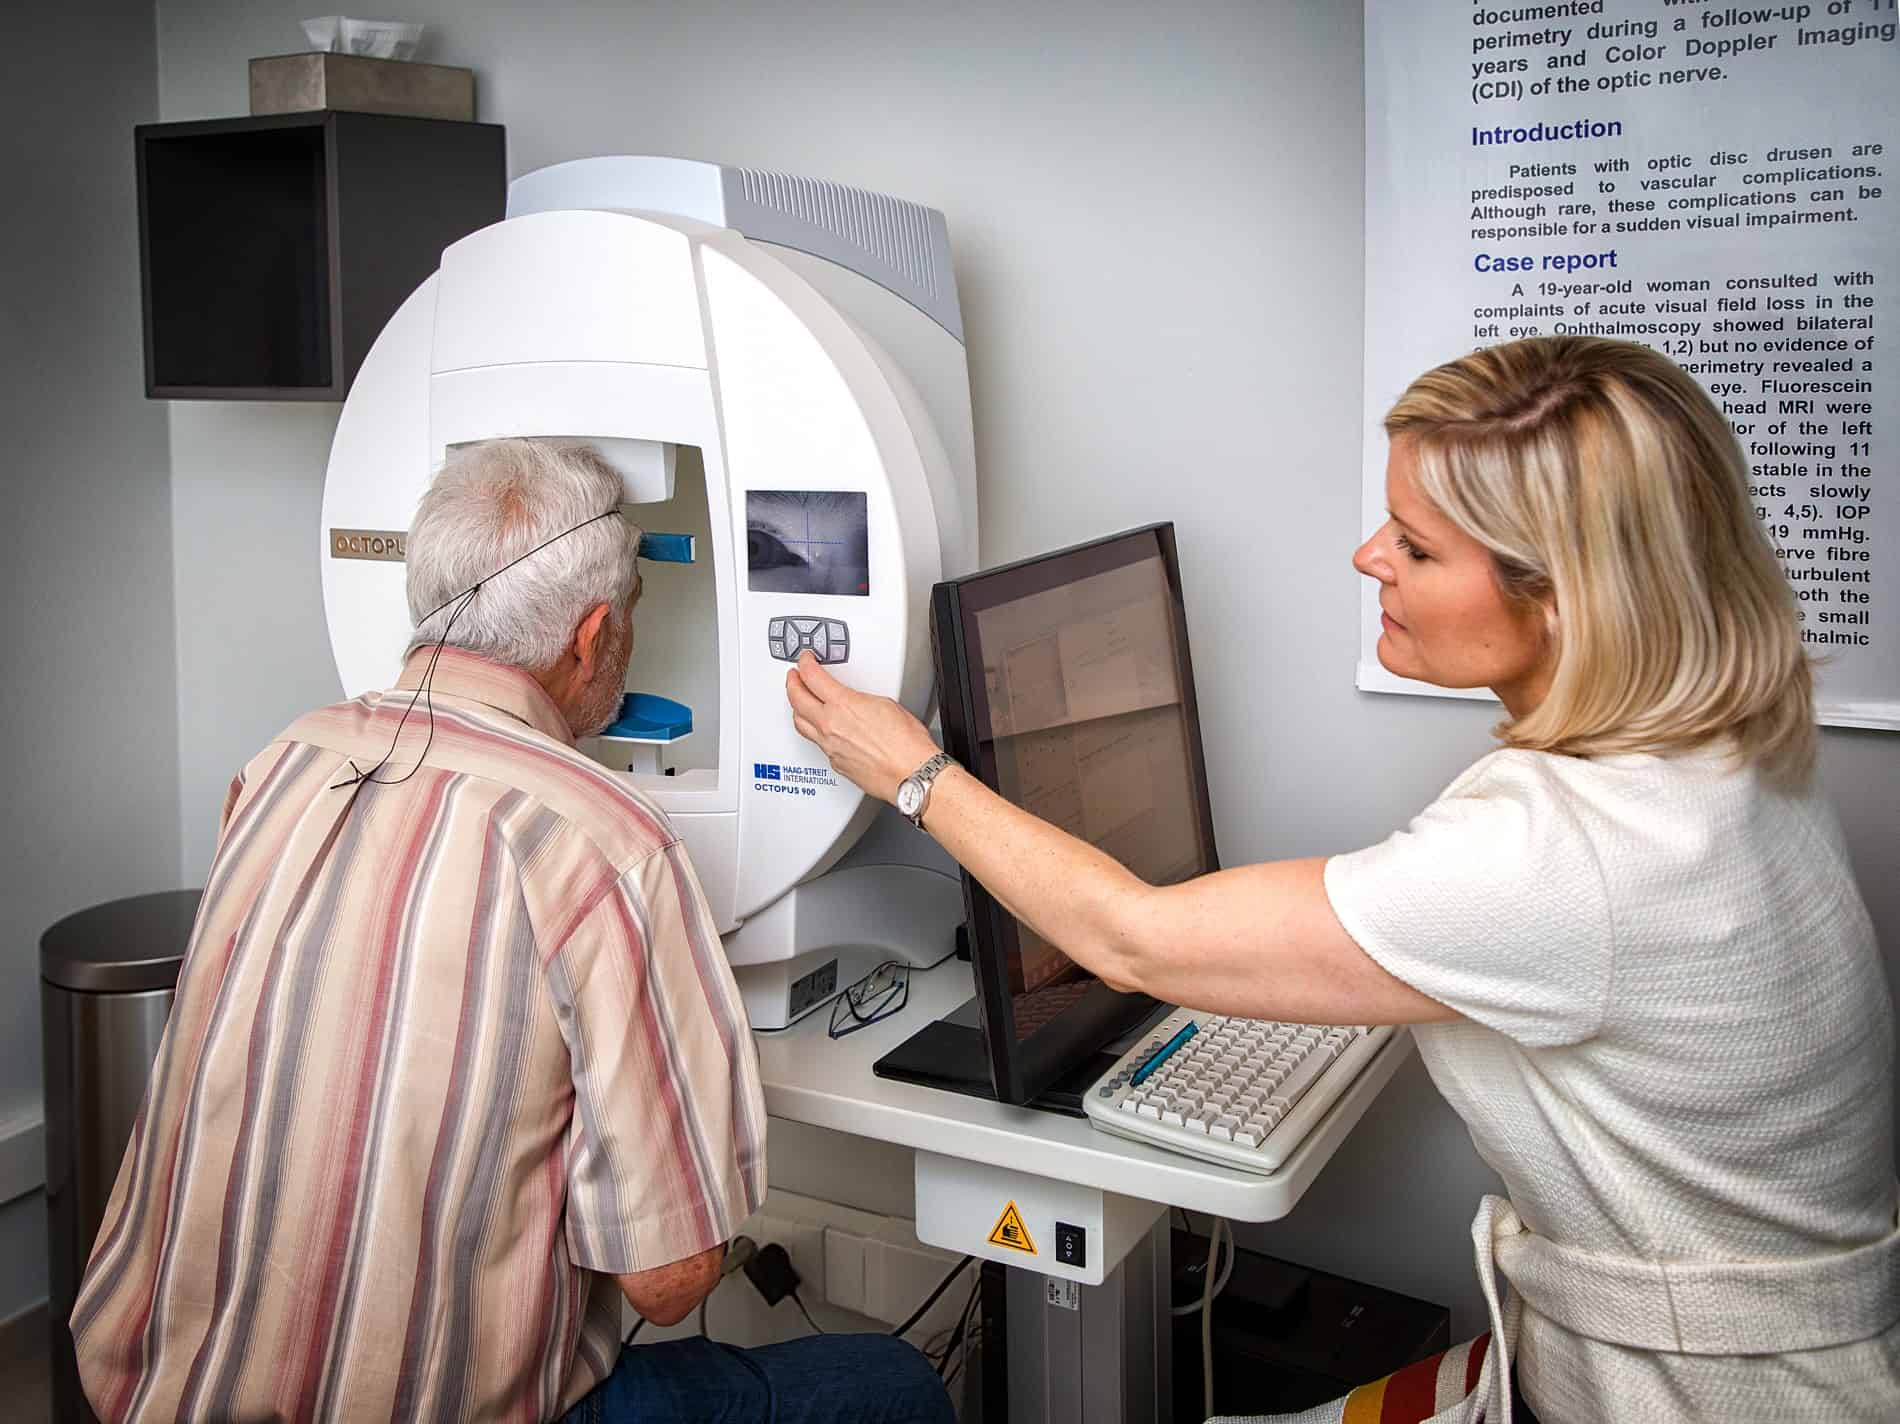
(913, 792)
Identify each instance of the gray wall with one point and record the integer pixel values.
(87, 715)
(1156, 212)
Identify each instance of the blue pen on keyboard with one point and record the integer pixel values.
(1162, 1054)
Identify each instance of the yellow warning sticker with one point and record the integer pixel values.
(1009, 1231)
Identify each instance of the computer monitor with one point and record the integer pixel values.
(1066, 686)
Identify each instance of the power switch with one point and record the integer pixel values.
(1072, 1245)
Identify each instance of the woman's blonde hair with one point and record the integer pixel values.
(1613, 494)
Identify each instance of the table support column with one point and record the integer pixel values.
(1107, 1361)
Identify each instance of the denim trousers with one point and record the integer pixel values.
(817, 1379)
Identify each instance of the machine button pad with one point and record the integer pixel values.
(828, 638)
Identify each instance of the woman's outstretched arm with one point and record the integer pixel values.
(1259, 941)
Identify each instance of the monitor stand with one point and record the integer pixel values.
(950, 1054)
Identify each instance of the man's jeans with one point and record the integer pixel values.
(818, 1379)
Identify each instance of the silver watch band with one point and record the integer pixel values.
(924, 776)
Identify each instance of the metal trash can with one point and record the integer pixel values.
(107, 976)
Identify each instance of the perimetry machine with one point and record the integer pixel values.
(776, 368)
(803, 341)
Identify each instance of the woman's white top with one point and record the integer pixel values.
(1677, 1050)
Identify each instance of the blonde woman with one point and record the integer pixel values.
(1629, 938)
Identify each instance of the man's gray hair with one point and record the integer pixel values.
(491, 503)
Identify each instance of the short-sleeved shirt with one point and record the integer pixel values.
(1677, 1039)
(451, 1048)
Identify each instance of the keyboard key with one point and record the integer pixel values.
(1301, 1078)
(1224, 1093)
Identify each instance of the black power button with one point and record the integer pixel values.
(1072, 1245)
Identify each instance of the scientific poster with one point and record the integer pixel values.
(1716, 180)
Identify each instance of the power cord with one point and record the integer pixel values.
(960, 1340)
(1207, 1316)
(931, 1299)
(816, 1327)
(1219, 1229)
(1226, 1271)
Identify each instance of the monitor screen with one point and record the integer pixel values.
(1068, 689)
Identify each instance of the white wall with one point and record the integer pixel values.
(85, 585)
(1156, 213)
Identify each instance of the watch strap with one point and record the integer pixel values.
(924, 776)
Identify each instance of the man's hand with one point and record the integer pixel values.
(666, 1295)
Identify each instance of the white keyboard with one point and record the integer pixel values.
(1241, 1092)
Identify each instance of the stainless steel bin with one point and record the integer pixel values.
(106, 980)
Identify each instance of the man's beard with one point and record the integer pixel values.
(601, 705)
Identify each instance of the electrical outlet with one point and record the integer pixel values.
(888, 1279)
(844, 1270)
(898, 1275)
(857, 1260)
(804, 1242)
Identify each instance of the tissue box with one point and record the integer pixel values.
(297, 83)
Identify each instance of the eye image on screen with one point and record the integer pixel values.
(808, 541)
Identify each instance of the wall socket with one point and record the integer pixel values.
(859, 1261)
(887, 1275)
(803, 1241)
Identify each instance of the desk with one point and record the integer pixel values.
(1108, 1359)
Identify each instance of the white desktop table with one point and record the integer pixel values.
(1106, 1357)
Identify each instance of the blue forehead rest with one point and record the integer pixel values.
(667, 548)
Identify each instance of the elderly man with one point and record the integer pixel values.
(456, 1060)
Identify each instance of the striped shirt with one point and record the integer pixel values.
(447, 1055)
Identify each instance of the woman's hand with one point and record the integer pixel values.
(871, 741)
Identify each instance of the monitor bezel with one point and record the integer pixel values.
(1020, 1071)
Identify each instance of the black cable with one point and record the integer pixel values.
(942, 1286)
(425, 690)
(635, 1331)
(963, 1327)
(807, 1314)
(938, 1353)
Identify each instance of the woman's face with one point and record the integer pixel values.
(1443, 618)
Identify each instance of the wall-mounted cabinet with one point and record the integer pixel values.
(273, 249)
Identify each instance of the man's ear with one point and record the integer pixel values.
(587, 637)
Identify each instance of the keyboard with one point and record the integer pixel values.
(1240, 1092)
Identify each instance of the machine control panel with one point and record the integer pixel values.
(828, 638)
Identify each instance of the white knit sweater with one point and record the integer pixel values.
(1677, 1046)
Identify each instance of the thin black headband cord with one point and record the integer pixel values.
(424, 690)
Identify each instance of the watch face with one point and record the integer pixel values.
(910, 796)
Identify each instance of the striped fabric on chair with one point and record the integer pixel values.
(1439, 1385)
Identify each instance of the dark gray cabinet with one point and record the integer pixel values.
(273, 249)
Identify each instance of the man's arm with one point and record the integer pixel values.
(666, 1150)
(666, 1295)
